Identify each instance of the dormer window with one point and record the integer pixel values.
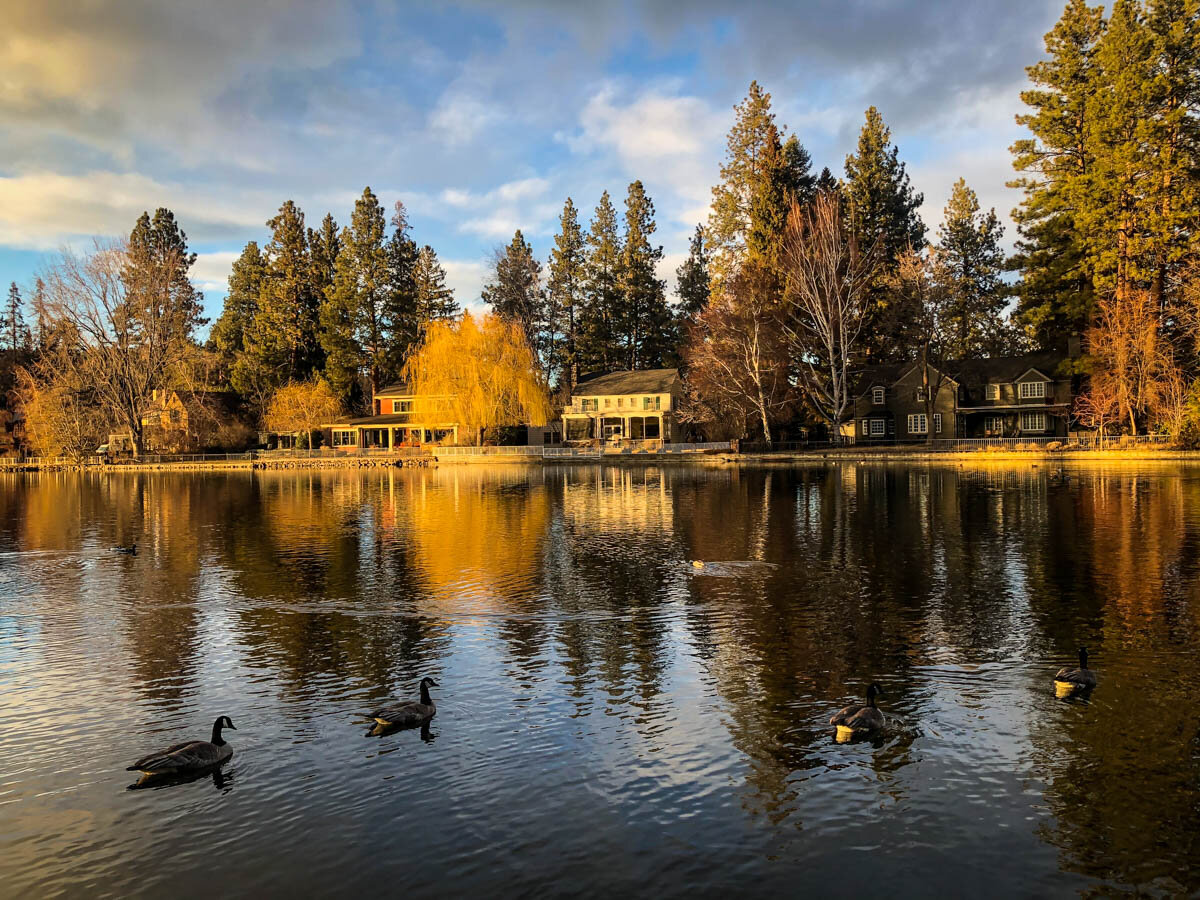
(992, 392)
(1028, 390)
(877, 396)
(920, 394)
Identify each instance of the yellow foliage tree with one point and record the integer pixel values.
(302, 406)
(480, 372)
(58, 421)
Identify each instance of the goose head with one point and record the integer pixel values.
(428, 682)
(872, 692)
(222, 722)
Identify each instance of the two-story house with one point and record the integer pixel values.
(637, 406)
(401, 419)
(1012, 396)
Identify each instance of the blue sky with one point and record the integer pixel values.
(481, 116)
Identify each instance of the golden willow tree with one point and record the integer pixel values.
(481, 373)
(302, 406)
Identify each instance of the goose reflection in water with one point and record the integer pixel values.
(222, 780)
(379, 730)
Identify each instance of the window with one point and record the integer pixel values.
(652, 402)
(345, 438)
(992, 392)
(1029, 389)
(993, 425)
(920, 394)
(937, 423)
(877, 396)
(866, 427)
(1033, 421)
(401, 406)
(918, 424)
(652, 430)
(620, 402)
(607, 402)
(877, 428)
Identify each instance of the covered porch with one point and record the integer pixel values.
(631, 427)
(392, 432)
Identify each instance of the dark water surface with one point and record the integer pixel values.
(610, 718)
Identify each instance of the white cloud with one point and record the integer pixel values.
(466, 277)
(496, 213)
(45, 210)
(211, 271)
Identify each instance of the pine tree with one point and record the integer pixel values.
(800, 183)
(769, 205)
(883, 216)
(435, 300)
(324, 246)
(598, 350)
(752, 136)
(564, 292)
(515, 291)
(643, 321)
(691, 278)
(13, 332)
(281, 343)
(158, 260)
(1055, 292)
(401, 315)
(826, 182)
(241, 305)
(970, 252)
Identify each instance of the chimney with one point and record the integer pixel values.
(1074, 346)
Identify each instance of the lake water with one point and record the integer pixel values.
(610, 717)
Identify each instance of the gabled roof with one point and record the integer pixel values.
(969, 372)
(399, 389)
(643, 381)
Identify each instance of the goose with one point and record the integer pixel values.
(1068, 681)
(857, 720)
(410, 714)
(188, 757)
(131, 550)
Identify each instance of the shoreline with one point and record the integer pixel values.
(718, 458)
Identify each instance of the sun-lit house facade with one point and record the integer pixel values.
(641, 406)
(401, 419)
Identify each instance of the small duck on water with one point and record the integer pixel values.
(187, 758)
(130, 550)
(412, 714)
(859, 720)
(1071, 681)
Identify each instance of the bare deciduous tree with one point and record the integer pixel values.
(129, 335)
(828, 301)
(737, 357)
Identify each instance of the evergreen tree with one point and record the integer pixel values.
(515, 291)
(800, 183)
(568, 262)
(598, 351)
(644, 322)
(769, 204)
(826, 182)
(281, 343)
(241, 305)
(1055, 291)
(401, 315)
(158, 261)
(13, 332)
(691, 278)
(324, 246)
(970, 252)
(752, 137)
(435, 300)
(883, 216)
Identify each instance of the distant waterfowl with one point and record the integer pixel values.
(1068, 681)
(410, 714)
(131, 550)
(858, 720)
(189, 757)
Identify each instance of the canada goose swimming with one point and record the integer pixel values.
(857, 720)
(188, 757)
(410, 714)
(131, 550)
(1068, 681)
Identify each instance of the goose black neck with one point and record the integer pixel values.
(1082, 658)
(217, 740)
(425, 693)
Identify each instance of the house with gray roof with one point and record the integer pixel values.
(629, 405)
(1014, 396)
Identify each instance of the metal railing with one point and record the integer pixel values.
(488, 451)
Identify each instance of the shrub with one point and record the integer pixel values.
(1054, 446)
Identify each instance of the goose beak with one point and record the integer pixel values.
(434, 683)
